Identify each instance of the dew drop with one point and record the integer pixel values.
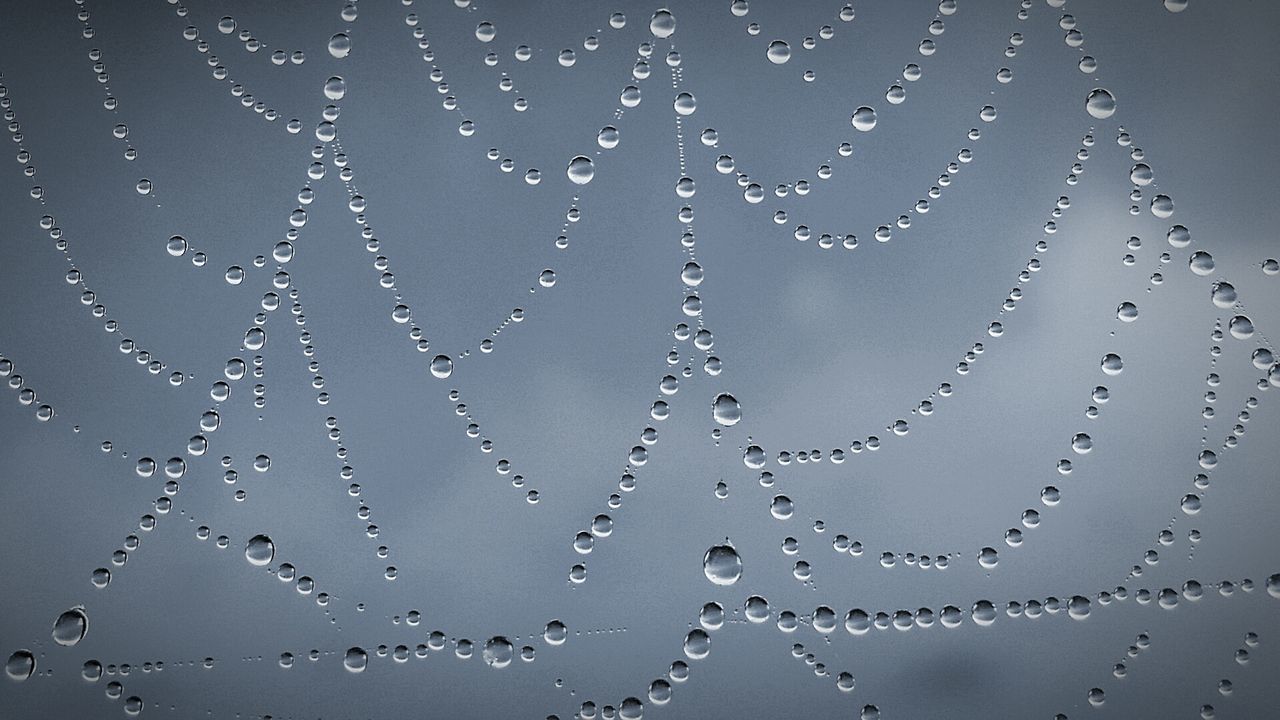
(779, 52)
(498, 652)
(725, 410)
(1100, 103)
(340, 45)
(356, 660)
(260, 550)
(22, 664)
(442, 366)
(663, 24)
(722, 565)
(70, 627)
(864, 119)
(581, 170)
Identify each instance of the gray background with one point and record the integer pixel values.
(822, 347)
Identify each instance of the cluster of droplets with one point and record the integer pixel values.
(755, 457)
(778, 52)
(864, 119)
(227, 25)
(26, 394)
(725, 409)
(1241, 656)
(220, 73)
(110, 102)
(74, 277)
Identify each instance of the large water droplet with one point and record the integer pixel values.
(726, 410)
(663, 24)
(697, 644)
(442, 366)
(70, 627)
(1100, 103)
(722, 565)
(356, 660)
(581, 170)
(498, 652)
(259, 550)
(22, 663)
(779, 52)
(864, 119)
(555, 633)
(340, 45)
(335, 88)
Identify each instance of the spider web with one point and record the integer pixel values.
(394, 328)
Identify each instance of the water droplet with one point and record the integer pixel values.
(697, 644)
(498, 652)
(864, 119)
(1112, 364)
(335, 88)
(779, 52)
(70, 627)
(442, 366)
(722, 565)
(1100, 103)
(260, 550)
(663, 24)
(725, 410)
(581, 170)
(781, 507)
(1201, 263)
(356, 660)
(340, 45)
(555, 633)
(22, 664)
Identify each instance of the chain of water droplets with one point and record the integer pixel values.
(697, 644)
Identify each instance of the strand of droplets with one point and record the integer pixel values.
(339, 45)
(1207, 459)
(499, 651)
(580, 170)
(1097, 695)
(1101, 104)
(865, 119)
(662, 25)
(782, 507)
(74, 276)
(72, 624)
